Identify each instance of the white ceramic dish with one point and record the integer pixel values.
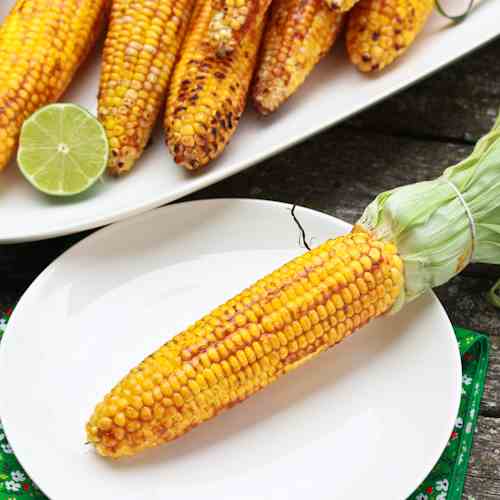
(354, 423)
(334, 91)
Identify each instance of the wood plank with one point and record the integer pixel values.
(465, 302)
(340, 171)
(459, 102)
(20, 264)
(483, 475)
(490, 405)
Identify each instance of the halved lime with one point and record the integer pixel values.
(63, 149)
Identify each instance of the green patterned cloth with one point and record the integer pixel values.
(445, 481)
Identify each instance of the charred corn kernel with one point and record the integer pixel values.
(298, 34)
(341, 5)
(379, 31)
(139, 54)
(325, 320)
(207, 94)
(42, 44)
(231, 19)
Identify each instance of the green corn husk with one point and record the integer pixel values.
(430, 226)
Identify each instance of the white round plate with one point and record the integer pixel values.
(333, 92)
(367, 419)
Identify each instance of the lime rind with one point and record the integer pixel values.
(63, 149)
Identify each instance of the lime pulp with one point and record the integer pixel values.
(63, 149)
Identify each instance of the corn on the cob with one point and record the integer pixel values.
(303, 308)
(139, 54)
(207, 94)
(42, 43)
(231, 19)
(298, 34)
(341, 5)
(379, 31)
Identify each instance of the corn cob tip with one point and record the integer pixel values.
(122, 159)
(192, 157)
(197, 135)
(121, 167)
(194, 145)
(268, 100)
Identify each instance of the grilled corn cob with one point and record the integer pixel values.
(379, 31)
(303, 308)
(341, 5)
(298, 34)
(231, 19)
(207, 94)
(139, 54)
(42, 43)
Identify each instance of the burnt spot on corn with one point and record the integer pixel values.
(197, 106)
(380, 31)
(42, 45)
(269, 329)
(298, 34)
(140, 51)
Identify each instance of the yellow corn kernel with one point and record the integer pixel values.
(379, 31)
(146, 409)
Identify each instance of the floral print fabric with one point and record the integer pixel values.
(14, 482)
(445, 481)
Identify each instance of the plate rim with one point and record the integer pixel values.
(159, 212)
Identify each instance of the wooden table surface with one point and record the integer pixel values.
(410, 137)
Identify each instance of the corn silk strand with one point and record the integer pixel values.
(430, 226)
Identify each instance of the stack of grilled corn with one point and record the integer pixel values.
(197, 55)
